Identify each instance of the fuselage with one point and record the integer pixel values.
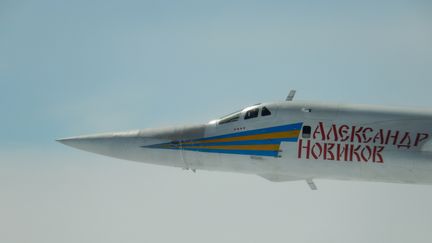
(286, 141)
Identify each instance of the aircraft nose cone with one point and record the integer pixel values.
(106, 144)
(140, 145)
(67, 141)
(81, 142)
(129, 145)
(72, 142)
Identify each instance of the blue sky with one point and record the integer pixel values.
(66, 67)
(77, 67)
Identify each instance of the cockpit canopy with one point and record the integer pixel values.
(246, 114)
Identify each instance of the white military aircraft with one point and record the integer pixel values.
(288, 141)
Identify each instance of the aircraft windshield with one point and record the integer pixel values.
(230, 114)
(251, 112)
(230, 118)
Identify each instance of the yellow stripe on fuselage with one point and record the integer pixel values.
(265, 147)
(275, 135)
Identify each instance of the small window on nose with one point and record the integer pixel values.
(306, 131)
(265, 112)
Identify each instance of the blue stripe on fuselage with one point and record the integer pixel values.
(201, 142)
(284, 128)
(240, 152)
(246, 142)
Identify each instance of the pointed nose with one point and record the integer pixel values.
(81, 142)
(105, 144)
(123, 145)
(138, 145)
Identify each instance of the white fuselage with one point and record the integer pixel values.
(289, 141)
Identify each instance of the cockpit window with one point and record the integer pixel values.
(230, 118)
(251, 113)
(265, 111)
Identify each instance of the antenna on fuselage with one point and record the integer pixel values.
(291, 95)
(311, 184)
